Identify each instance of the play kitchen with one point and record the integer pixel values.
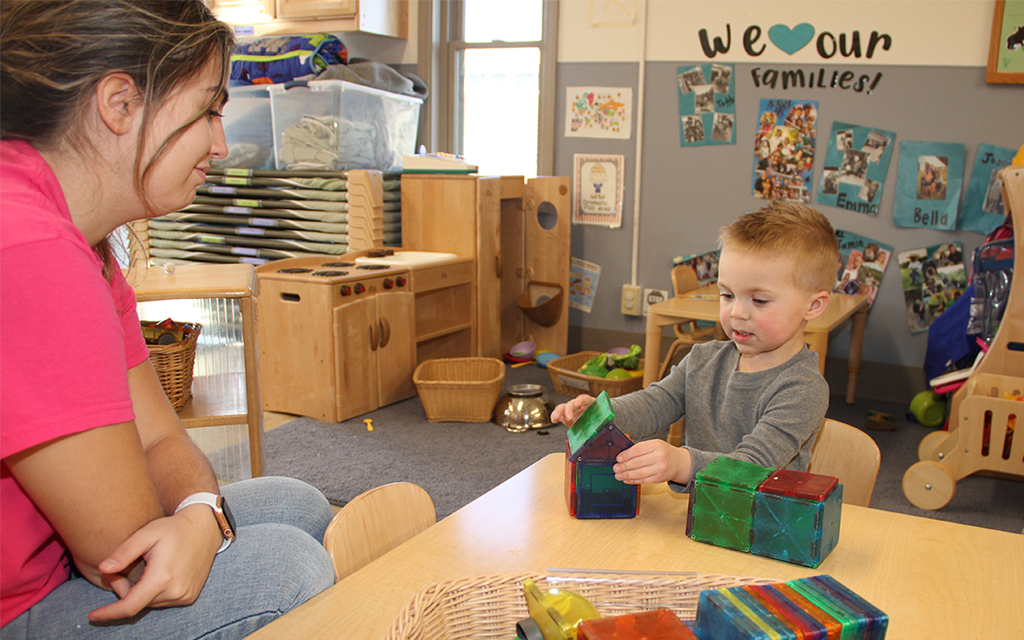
(338, 335)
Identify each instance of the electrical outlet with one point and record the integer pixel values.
(631, 301)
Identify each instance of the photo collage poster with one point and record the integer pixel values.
(583, 277)
(707, 105)
(928, 183)
(599, 112)
(933, 278)
(983, 209)
(863, 264)
(856, 161)
(705, 264)
(784, 150)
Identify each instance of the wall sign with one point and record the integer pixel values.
(856, 162)
(984, 209)
(707, 104)
(784, 149)
(597, 198)
(598, 112)
(933, 278)
(928, 184)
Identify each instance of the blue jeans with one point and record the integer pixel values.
(277, 563)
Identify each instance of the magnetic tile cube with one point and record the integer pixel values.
(591, 490)
(722, 502)
(816, 608)
(796, 517)
(659, 624)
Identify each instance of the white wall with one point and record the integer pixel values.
(924, 32)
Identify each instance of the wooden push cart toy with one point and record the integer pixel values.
(985, 410)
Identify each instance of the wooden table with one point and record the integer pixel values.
(702, 304)
(219, 399)
(934, 579)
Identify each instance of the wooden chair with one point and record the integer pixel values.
(688, 332)
(849, 454)
(375, 522)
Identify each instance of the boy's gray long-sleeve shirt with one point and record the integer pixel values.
(768, 417)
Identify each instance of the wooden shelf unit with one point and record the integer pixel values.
(220, 399)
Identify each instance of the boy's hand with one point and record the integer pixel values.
(653, 461)
(568, 412)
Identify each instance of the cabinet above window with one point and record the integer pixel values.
(290, 17)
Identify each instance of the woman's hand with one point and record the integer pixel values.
(174, 553)
(653, 461)
(568, 412)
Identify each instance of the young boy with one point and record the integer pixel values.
(760, 396)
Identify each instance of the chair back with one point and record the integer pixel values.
(375, 522)
(684, 279)
(849, 454)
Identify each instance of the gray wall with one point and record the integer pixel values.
(688, 193)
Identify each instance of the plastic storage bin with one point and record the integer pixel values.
(335, 125)
(249, 129)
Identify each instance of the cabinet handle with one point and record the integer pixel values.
(497, 265)
(374, 338)
(385, 332)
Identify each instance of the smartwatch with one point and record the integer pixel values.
(225, 521)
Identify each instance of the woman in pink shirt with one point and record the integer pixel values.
(111, 519)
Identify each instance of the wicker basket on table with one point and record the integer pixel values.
(569, 381)
(488, 607)
(174, 364)
(459, 389)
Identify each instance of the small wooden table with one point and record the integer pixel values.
(220, 399)
(702, 304)
(934, 579)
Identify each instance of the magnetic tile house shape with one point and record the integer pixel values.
(796, 517)
(819, 607)
(591, 490)
(787, 515)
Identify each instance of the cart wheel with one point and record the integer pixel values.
(929, 485)
(931, 444)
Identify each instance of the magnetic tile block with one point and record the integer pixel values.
(593, 443)
(597, 415)
(660, 624)
(797, 530)
(809, 628)
(600, 495)
(879, 619)
(718, 618)
(799, 484)
(722, 502)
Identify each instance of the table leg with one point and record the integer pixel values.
(652, 349)
(856, 348)
(254, 405)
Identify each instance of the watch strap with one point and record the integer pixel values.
(211, 500)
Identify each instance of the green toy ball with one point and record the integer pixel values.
(929, 408)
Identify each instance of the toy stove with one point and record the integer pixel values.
(337, 338)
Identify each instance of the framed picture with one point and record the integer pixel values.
(1006, 50)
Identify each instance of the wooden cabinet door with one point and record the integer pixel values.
(356, 342)
(396, 355)
(316, 8)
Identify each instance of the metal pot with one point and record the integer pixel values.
(523, 407)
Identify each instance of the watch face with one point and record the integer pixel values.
(227, 516)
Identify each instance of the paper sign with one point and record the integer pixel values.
(583, 279)
(984, 209)
(707, 104)
(856, 161)
(933, 278)
(598, 112)
(784, 150)
(597, 198)
(863, 264)
(928, 184)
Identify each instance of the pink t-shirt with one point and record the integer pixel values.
(67, 340)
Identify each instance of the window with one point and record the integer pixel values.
(495, 74)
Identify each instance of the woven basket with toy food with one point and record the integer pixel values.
(592, 372)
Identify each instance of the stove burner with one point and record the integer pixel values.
(339, 264)
(373, 267)
(329, 274)
(294, 270)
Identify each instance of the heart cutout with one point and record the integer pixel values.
(791, 40)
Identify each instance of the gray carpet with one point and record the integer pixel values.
(457, 462)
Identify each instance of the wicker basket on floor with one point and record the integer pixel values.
(568, 380)
(174, 364)
(459, 389)
(489, 606)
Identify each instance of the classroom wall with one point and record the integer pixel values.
(932, 89)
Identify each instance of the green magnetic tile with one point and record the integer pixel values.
(737, 474)
(597, 415)
(721, 516)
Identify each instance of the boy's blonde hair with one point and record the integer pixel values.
(790, 230)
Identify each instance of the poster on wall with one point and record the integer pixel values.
(707, 104)
(933, 278)
(983, 203)
(863, 264)
(583, 277)
(597, 198)
(856, 161)
(784, 149)
(598, 112)
(704, 264)
(928, 184)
